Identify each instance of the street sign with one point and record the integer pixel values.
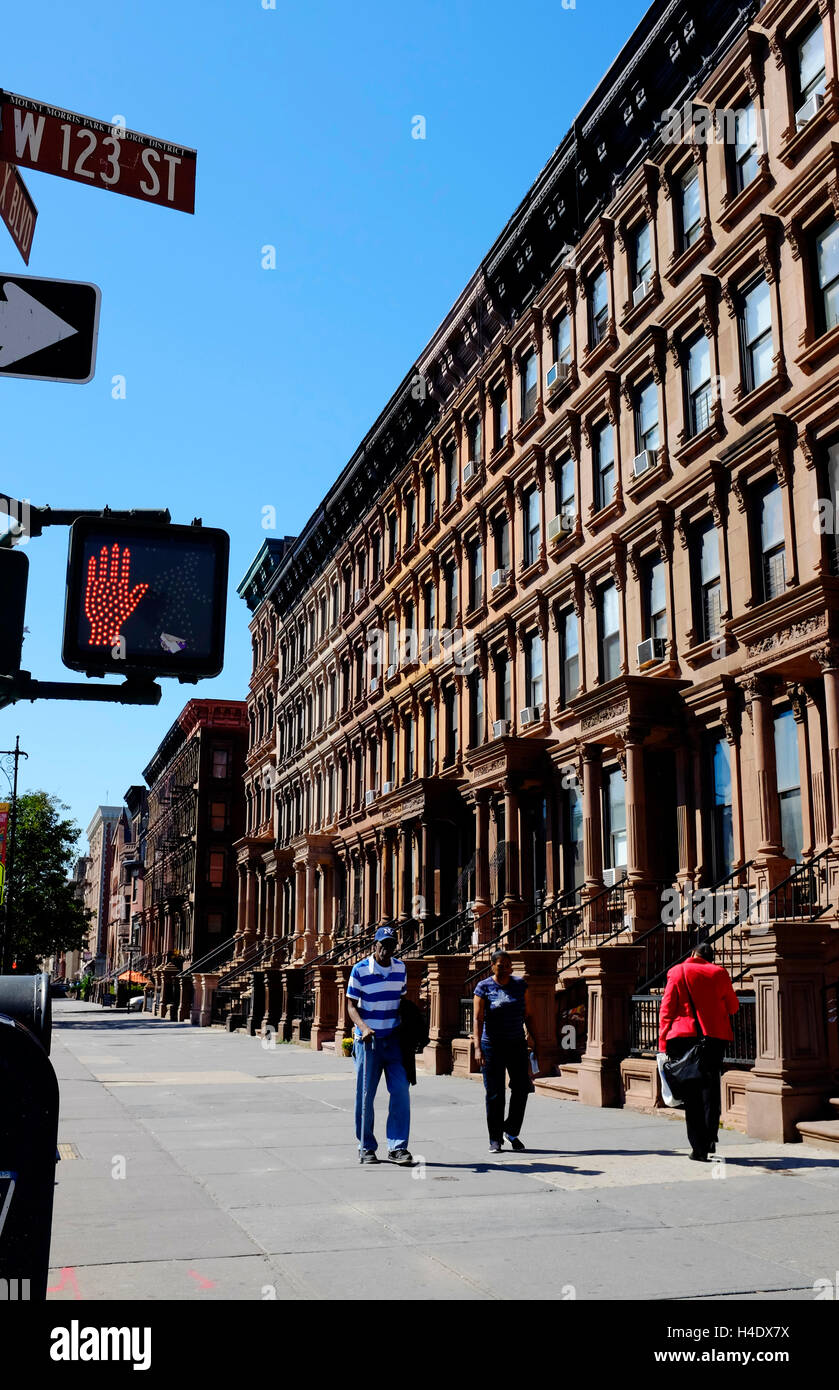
(48, 328)
(17, 208)
(145, 599)
(54, 141)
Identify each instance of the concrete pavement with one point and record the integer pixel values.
(203, 1165)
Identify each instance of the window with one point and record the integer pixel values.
(476, 575)
(773, 556)
(450, 470)
(501, 417)
(430, 639)
(392, 537)
(475, 435)
(216, 871)
(374, 763)
(375, 555)
(699, 386)
(451, 724)
(533, 526)
(221, 762)
(392, 642)
(722, 823)
(430, 497)
(335, 603)
(410, 748)
(642, 255)
(690, 209)
(347, 577)
(562, 340)
(390, 751)
(810, 75)
(503, 686)
(655, 599)
(789, 784)
(529, 385)
(410, 517)
(452, 594)
(614, 819)
(430, 738)
(745, 147)
(709, 596)
(333, 695)
(501, 536)
(756, 336)
(566, 501)
(476, 709)
(831, 515)
(608, 621)
(570, 648)
(534, 681)
(598, 308)
(604, 477)
(827, 272)
(646, 418)
(573, 862)
(323, 616)
(218, 815)
(215, 922)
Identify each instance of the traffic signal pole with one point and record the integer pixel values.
(5, 953)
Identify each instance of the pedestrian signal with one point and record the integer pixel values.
(145, 599)
(14, 574)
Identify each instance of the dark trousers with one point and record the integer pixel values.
(702, 1098)
(501, 1058)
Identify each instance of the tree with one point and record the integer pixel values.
(45, 916)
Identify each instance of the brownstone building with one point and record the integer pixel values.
(194, 816)
(556, 660)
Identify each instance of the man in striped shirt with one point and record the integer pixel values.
(374, 991)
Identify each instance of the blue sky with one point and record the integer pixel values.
(248, 387)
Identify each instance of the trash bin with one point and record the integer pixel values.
(28, 1141)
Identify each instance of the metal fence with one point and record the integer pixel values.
(643, 1029)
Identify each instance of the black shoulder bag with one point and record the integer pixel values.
(681, 1071)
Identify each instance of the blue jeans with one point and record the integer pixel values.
(382, 1053)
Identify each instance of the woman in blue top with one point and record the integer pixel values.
(503, 1035)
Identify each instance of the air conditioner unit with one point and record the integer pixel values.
(806, 112)
(562, 524)
(501, 728)
(643, 462)
(531, 715)
(499, 579)
(391, 670)
(469, 470)
(387, 788)
(369, 797)
(653, 649)
(612, 876)
(640, 292)
(359, 595)
(374, 684)
(556, 374)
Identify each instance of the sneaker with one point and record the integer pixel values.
(367, 1156)
(400, 1156)
(495, 1146)
(515, 1143)
(698, 1157)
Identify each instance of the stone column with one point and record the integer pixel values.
(387, 879)
(185, 990)
(770, 864)
(326, 1006)
(299, 911)
(446, 983)
(272, 1001)
(592, 819)
(799, 702)
(828, 658)
(249, 935)
(684, 820)
(311, 927)
(482, 902)
(539, 969)
(791, 1079)
(426, 873)
(642, 904)
(415, 971)
(343, 1024)
(611, 973)
(207, 985)
(168, 980)
(511, 848)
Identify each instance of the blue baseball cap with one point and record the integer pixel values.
(385, 934)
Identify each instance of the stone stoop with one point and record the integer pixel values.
(824, 1134)
(566, 1086)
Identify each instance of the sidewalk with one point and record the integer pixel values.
(206, 1166)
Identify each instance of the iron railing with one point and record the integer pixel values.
(448, 940)
(643, 1029)
(802, 897)
(725, 904)
(223, 948)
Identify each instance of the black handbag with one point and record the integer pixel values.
(682, 1072)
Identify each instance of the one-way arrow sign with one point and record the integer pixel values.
(48, 328)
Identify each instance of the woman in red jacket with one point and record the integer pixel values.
(699, 989)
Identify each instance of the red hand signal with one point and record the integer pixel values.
(108, 600)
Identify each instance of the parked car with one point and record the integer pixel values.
(58, 989)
